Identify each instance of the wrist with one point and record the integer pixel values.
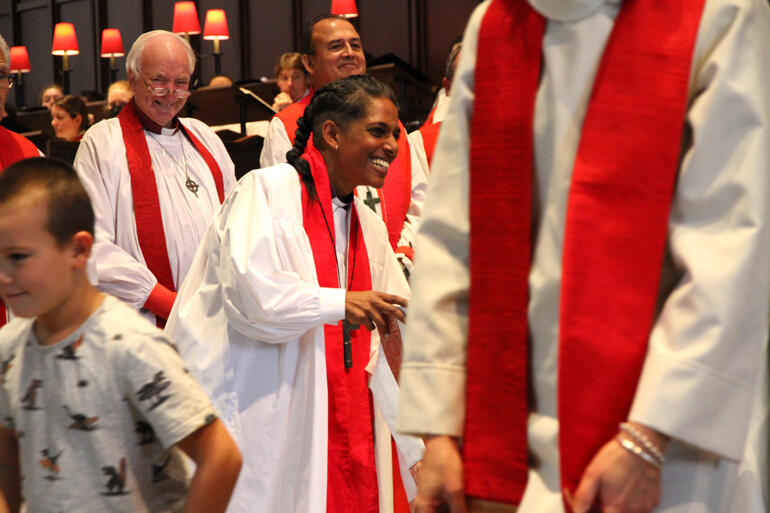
(658, 439)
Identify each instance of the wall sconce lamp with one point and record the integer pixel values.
(19, 64)
(346, 8)
(215, 29)
(112, 46)
(65, 43)
(186, 19)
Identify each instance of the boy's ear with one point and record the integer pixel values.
(81, 244)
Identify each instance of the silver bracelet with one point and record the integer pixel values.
(644, 441)
(631, 447)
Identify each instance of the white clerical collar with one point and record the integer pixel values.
(568, 10)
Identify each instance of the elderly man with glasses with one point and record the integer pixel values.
(155, 180)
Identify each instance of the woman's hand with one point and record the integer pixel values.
(618, 481)
(371, 308)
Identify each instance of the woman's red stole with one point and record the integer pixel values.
(615, 233)
(352, 475)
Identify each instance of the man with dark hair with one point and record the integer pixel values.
(332, 49)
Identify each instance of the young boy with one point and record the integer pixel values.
(94, 402)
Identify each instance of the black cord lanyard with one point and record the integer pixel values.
(347, 326)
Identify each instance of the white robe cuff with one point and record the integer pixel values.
(332, 305)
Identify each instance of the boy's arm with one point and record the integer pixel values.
(10, 486)
(218, 463)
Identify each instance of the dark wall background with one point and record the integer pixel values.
(417, 31)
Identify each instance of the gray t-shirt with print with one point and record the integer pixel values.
(97, 414)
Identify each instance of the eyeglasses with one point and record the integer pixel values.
(6, 81)
(163, 91)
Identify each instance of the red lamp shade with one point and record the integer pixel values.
(65, 41)
(112, 43)
(346, 8)
(186, 18)
(19, 60)
(216, 25)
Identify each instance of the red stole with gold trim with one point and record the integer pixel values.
(352, 474)
(144, 190)
(615, 233)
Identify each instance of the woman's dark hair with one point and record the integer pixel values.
(342, 101)
(74, 105)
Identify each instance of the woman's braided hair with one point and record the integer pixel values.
(341, 101)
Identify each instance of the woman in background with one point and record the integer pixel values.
(69, 118)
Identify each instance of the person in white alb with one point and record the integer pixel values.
(275, 318)
(332, 49)
(640, 305)
(155, 180)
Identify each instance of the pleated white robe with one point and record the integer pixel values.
(249, 320)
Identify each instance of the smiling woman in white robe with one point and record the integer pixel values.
(249, 321)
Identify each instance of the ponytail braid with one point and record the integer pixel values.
(294, 156)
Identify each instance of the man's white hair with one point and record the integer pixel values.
(5, 50)
(134, 59)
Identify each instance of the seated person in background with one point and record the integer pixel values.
(292, 264)
(101, 397)
(291, 77)
(220, 81)
(69, 118)
(118, 94)
(50, 94)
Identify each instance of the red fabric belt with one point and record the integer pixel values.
(615, 233)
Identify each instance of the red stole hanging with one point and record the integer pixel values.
(13, 147)
(352, 475)
(615, 233)
(144, 190)
(397, 191)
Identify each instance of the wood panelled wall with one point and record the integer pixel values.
(417, 31)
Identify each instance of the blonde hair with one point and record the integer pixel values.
(291, 60)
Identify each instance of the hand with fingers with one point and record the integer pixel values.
(371, 308)
(619, 479)
(440, 480)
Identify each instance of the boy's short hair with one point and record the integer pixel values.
(69, 207)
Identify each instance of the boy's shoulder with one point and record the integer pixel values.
(118, 321)
(14, 334)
